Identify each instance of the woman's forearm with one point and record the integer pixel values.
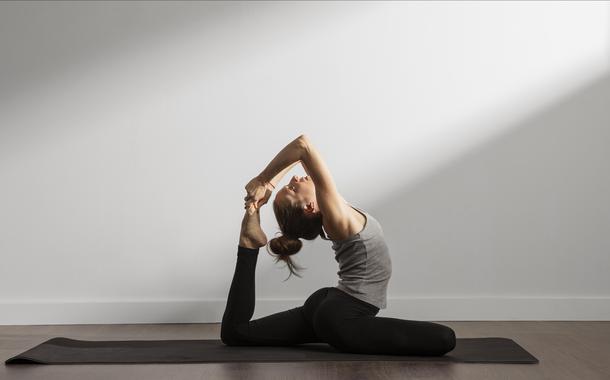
(289, 156)
(278, 177)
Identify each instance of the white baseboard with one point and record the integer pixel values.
(45, 312)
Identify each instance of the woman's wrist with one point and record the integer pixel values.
(267, 183)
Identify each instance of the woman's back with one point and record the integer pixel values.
(365, 266)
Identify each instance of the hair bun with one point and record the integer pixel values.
(288, 237)
(285, 245)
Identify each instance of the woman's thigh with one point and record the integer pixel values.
(351, 325)
(294, 326)
(333, 311)
(313, 302)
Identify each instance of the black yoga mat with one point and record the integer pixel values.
(70, 351)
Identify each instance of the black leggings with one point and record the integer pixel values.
(330, 316)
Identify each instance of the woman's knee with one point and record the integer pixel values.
(429, 338)
(227, 334)
(230, 336)
(447, 340)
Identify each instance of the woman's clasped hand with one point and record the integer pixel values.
(258, 193)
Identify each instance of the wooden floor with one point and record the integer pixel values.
(566, 350)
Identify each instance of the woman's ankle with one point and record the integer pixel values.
(247, 243)
(242, 250)
(251, 234)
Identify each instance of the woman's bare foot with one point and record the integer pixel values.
(251, 235)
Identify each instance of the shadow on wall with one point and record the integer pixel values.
(525, 213)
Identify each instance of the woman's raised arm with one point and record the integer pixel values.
(278, 177)
(257, 188)
(332, 205)
(287, 157)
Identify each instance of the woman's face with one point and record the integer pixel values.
(299, 191)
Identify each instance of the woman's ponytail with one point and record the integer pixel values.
(282, 248)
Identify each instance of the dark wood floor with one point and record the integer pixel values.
(566, 350)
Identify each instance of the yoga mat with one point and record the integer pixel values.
(70, 351)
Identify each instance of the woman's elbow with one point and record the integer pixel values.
(303, 143)
(303, 139)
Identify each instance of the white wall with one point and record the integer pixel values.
(477, 133)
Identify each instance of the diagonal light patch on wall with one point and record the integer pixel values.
(523, 215)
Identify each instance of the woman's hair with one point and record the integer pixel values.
(294, 224)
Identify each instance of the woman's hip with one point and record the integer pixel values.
(331, 302)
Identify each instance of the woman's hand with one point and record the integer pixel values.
(253, 205)
(258, 192)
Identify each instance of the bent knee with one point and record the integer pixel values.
(226, 335)
(447, 340)
(229, 335)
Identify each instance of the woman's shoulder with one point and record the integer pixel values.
(356, 224)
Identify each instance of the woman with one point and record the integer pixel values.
(343, 316)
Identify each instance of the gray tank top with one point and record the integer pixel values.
(364, 261)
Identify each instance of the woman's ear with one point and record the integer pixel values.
(310, 207)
